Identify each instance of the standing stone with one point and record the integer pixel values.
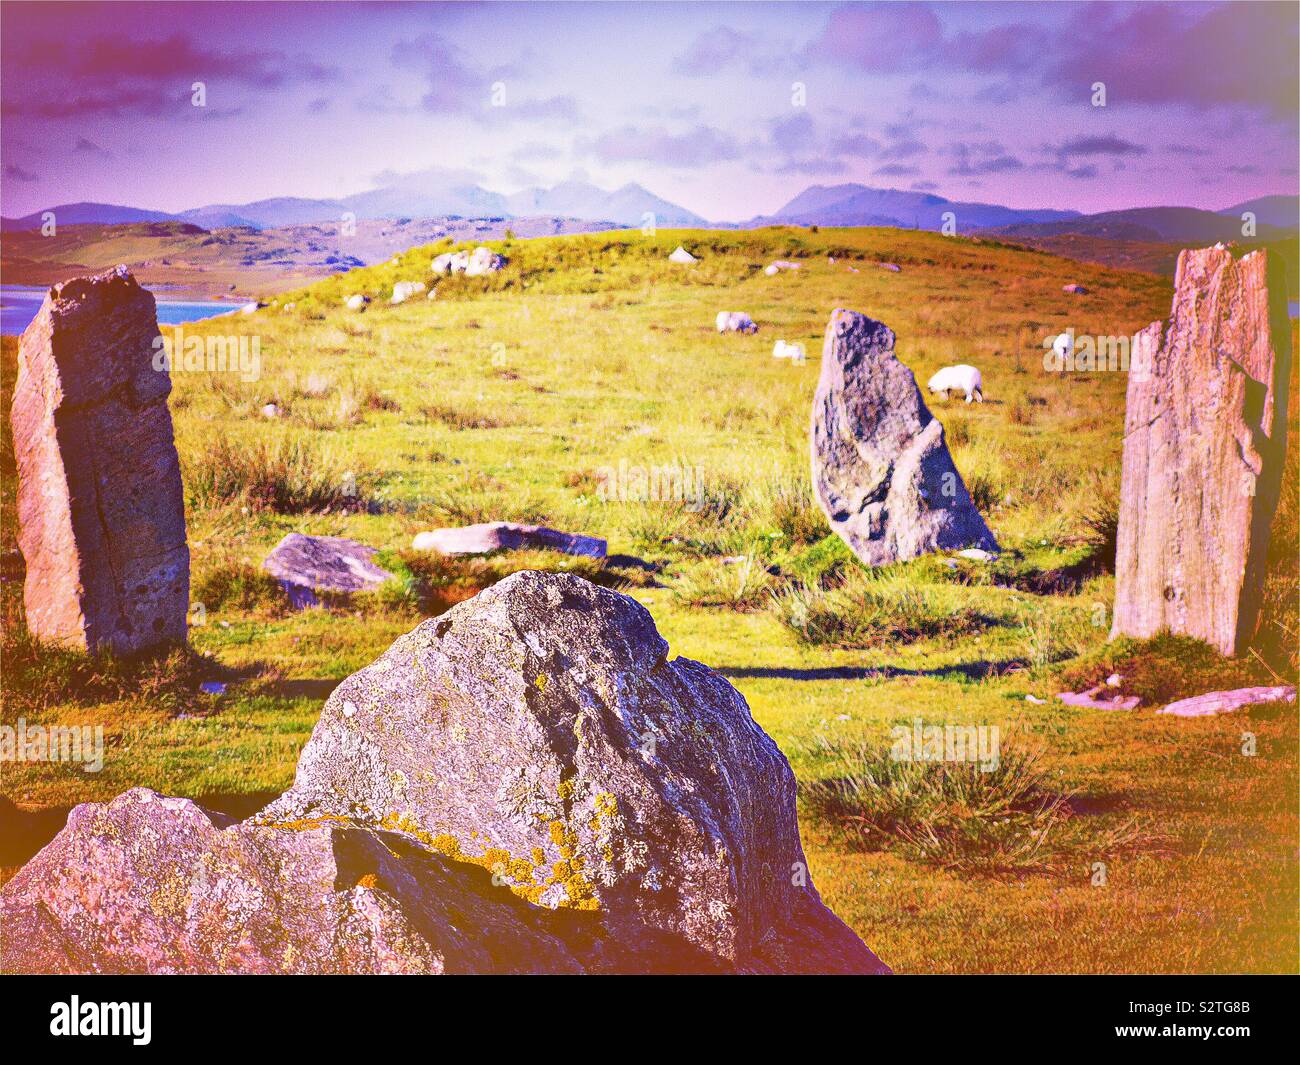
(881, 470)
(101, 512)
(1204, 443)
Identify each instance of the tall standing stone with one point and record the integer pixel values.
(881, 469)
(101, 514)
(1204, 443)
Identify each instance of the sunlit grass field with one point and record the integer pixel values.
(559, 391)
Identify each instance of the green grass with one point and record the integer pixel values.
(529, 395)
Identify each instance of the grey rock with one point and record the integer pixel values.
(881, 469)
(541, 729)
(100, 507)
(1225, 702)
(305, 565)
(506, 536)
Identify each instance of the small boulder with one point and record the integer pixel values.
(404, 290)
(356, 302)
(735, 322)
(780, 265)
(492, 536)
(305, 565)
(681, 255)
(1074, 290)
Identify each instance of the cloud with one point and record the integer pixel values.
(896, 170)
(990, 157)
(887, 38)
(698, 146)
(116, 74)
(89, 147)
(13, 172)
(1104, 145)
(714, 50)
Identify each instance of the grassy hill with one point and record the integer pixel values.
(559, 391)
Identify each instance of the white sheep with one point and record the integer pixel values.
(794, 352)
(735, 322)
(960, 378)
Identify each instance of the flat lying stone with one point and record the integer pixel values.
(1226, 702)
(507, 536)
(305, 565)
(1093, 700)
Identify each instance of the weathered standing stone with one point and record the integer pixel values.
(526, 783)
(881, 470)
(1204, 443)
(305, 565)
(101, 512)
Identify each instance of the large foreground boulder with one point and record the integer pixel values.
(526, 783)
(101, 511)
(1204, 445)
(880, 467)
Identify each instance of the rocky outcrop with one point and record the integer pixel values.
(305, 565)
(1204, 444)
(880, 467)
(490, 536)
(101, 512)
(526, 783)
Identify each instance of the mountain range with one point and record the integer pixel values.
(439, 194)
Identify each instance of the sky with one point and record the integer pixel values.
(726, 109)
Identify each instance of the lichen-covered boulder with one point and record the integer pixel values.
(880, 467)
(541, 730)
(305, 565)
(148, 884)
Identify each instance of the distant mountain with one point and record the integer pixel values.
(78, 214)
(1282, 211)
(860, 205)
(1180, 225)
(625, 206)
(265, 214)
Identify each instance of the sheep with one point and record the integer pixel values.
(794, 352)
(357, 302)
(960, 378)
(735, 322)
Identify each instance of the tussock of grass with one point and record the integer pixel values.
(869, 611)
(1164, 669)
(39, 676)
(957, 815)
(239, 586)
(744, 586)
(287, 475)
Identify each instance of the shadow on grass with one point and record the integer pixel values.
(970, 670)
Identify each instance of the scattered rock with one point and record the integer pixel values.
(1074, 290)
(100, 507)
(270, 410)
(481, 261)
(1093, 700)
(1114, 680)
(506, 536)
(527, 783)
(212, 687)
(781, 264)
(251, 308)
(1035, 700)
(305, 565)
(356, 302)
(976, 554)
(404, 290)
(1204, 444)
(1226, 702)
(892, 267)
(881, 470)
(681, 255)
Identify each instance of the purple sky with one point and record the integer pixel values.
(973, 101)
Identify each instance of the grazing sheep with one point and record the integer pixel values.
(735, 322)
(357, 302)
(961, 378)
(794, 352)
